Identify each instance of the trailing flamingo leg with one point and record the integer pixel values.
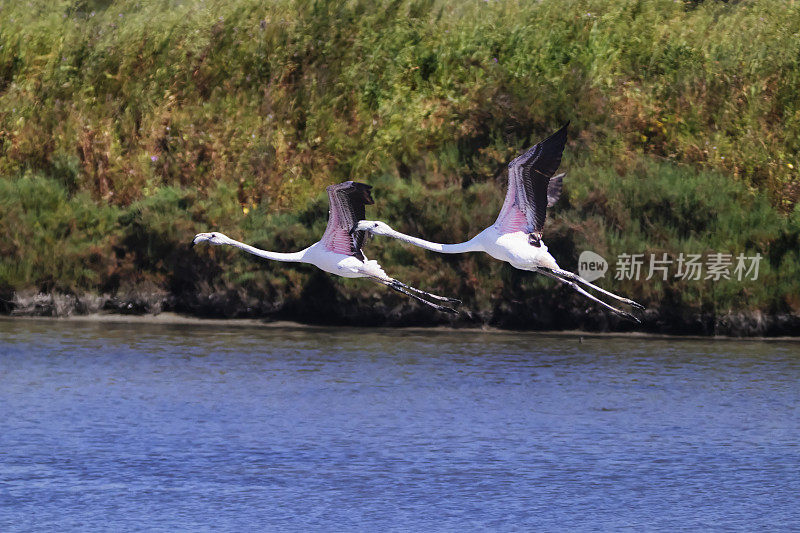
(434, 296)
(399, 287)
(577, 287)
(574, 277)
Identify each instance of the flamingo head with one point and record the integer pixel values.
(374, 226)
(214, 238)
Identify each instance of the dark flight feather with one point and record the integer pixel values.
(348, 203)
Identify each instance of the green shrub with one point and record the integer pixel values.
(127, 127)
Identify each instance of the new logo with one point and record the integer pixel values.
(591, 266)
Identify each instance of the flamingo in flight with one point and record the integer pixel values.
(516, 235)
(339, 251)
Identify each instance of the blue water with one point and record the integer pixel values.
(162, 428)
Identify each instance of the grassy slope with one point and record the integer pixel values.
(126, 129)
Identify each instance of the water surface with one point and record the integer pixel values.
(123, 427)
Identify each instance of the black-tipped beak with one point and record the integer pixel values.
(191, 245)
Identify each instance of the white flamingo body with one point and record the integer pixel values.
(317, 254)
(516, 235)
(512, 248)
(339, 251)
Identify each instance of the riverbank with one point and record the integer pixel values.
(175, 319)
(147, 309)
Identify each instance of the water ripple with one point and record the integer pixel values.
(126, 427)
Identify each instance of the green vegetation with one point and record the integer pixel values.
(127, 127)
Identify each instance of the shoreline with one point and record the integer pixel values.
(235, 310)
(177, 319)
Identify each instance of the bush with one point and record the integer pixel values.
(127, 127)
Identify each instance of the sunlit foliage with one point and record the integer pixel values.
(126, 127)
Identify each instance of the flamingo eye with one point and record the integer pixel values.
(533, 240)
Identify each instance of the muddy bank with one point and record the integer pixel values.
(544, 316)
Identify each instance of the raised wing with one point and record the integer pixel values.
(554, 189)
(527, 198)
(347, 207)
